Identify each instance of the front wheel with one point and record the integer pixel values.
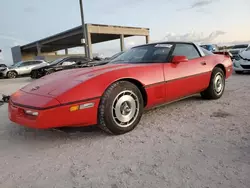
(12, 74)
(216, 86)
(120, 108)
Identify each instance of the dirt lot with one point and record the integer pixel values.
(191, 143)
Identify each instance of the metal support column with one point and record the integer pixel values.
(122, 42)
(66, 51)
(84, 33)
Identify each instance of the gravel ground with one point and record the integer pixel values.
(190, 143)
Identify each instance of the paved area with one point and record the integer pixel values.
(190, 143)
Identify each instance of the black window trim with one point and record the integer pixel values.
(185, 43)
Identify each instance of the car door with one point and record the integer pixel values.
(185, 78)
(35, 63)
(22, 68)
(69, 63)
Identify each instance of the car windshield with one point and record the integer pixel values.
(240, 46)
(17, 64)
(116, 55)
(248, 49)
(144, 54)
(56, 61)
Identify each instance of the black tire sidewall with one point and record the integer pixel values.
(108, 102)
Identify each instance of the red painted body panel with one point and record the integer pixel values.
(186, 78)
(163, 82)
(54, 117)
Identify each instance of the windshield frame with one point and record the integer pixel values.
(248, 48)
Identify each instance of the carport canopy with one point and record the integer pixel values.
(72, 38)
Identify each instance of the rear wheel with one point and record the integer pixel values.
(120, 108)
(216, 86)
(12, 74)
(34, 74)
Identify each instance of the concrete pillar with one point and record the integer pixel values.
(88, 42)
(38, 48)
(66, 51)
(122, 42)
(90, 45)
(147, 39)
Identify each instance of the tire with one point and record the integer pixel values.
(238, 72)
(12, 74)
(216, 86)
(34, 74)
(49, 72)
(120, 108)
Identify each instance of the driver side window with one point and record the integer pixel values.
(23, 64)
(187, 50)
(68, 62)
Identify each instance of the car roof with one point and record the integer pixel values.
(165, 42)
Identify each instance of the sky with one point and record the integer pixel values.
(206, 21)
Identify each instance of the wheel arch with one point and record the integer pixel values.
(11, 71)
(138, 84)
(222, 67)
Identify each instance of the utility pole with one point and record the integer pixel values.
(84, 33)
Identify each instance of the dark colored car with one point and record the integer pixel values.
(3, 67)
(59, 65)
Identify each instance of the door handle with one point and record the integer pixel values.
(203, 63)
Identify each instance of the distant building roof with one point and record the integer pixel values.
(72, 37)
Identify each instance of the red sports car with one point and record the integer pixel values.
(115, 95)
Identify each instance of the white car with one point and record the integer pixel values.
(242, 62)
(21, 68)
(236, 49)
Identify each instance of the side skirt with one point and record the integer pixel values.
(164, 104)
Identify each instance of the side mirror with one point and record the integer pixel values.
(179, 59)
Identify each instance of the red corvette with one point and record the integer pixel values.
(114, 95)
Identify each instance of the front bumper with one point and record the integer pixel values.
(241, 65)
(3, 73)
(59, 116)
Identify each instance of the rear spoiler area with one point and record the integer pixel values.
(226, 53)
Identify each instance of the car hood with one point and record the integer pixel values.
(57, 83)
(245, 54)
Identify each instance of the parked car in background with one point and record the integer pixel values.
(241, 63)
(22, 68)
(210, 47)
(70, 62)
(114, 95)
(60, 64)
(236, 49)
(3, 67)
(104, 61)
